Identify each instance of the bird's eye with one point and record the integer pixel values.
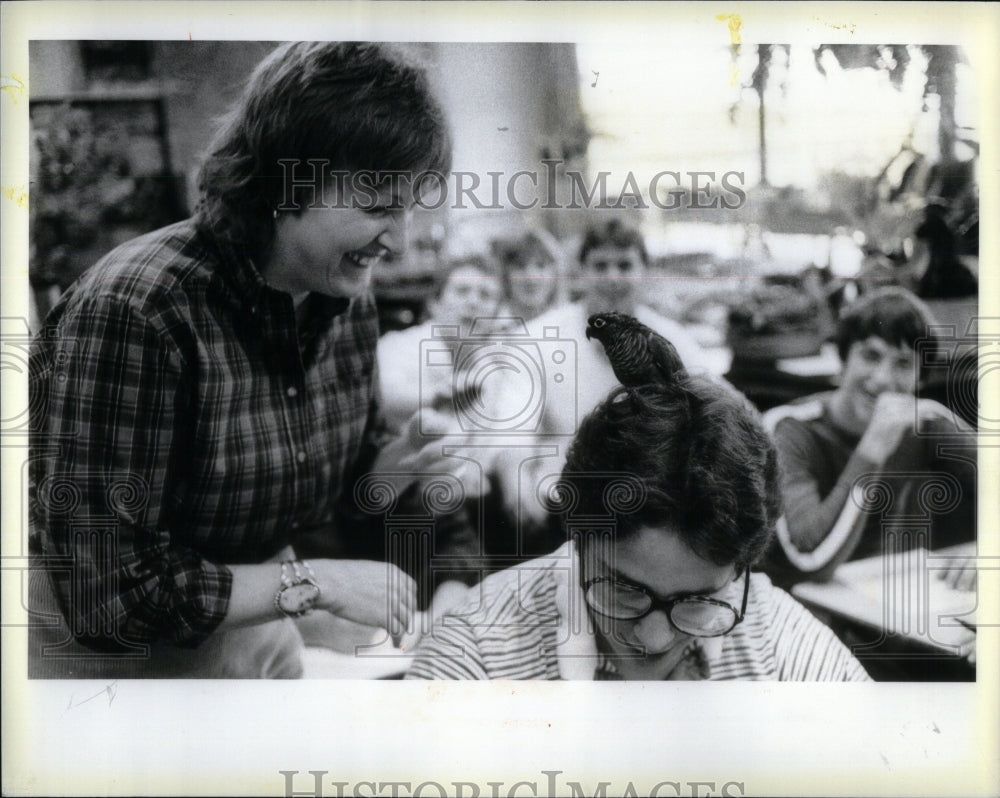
(599, 322)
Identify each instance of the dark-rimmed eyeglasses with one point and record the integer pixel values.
(698, 616)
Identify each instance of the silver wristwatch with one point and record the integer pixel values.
(299, 589)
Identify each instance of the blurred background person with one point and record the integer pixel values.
(466, 303)
(819, 284)
(612, 276)
(945, 275)
(532, 272)
(612, 268)
(470, 289)
(873, 423)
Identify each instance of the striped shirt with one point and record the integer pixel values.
(181, 421)
(833, 496)
(531, 622)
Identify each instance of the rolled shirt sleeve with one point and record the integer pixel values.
(110, 391)
(182, 418)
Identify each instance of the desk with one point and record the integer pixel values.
(377, 661)
(769, 384)
(899, 605)
(339, 649)
(824, 364)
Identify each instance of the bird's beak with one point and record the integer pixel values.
(589, 336)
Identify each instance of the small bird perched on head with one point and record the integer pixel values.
(638, 354)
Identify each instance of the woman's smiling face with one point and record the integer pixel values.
(332, 248)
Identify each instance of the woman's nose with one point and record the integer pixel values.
(396, 235)
(655, 632)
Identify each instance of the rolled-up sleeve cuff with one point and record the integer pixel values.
(202, 610)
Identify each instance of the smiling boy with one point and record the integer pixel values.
(872, 427)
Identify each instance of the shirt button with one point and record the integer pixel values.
(292, 392)
(301, 457)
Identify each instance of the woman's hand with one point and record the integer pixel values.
(373, 593)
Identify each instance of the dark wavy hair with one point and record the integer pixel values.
(699, 461)
(893, 314)
(354, 105)
(613, 233)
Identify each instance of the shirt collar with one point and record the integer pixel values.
(248, 284)
(576, 649)
(236, 269)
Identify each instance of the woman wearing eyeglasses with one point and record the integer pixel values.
(669, 497)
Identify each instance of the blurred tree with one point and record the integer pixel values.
(894, 59)
(942, 189)
(758, 83)
(87, 196)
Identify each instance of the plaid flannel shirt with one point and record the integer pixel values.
(180, 423)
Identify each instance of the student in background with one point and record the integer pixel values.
(531, 271)
(470, 290)
(612, 277)
(466, 303)
(873, 426)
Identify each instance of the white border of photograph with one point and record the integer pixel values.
(228, 738)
